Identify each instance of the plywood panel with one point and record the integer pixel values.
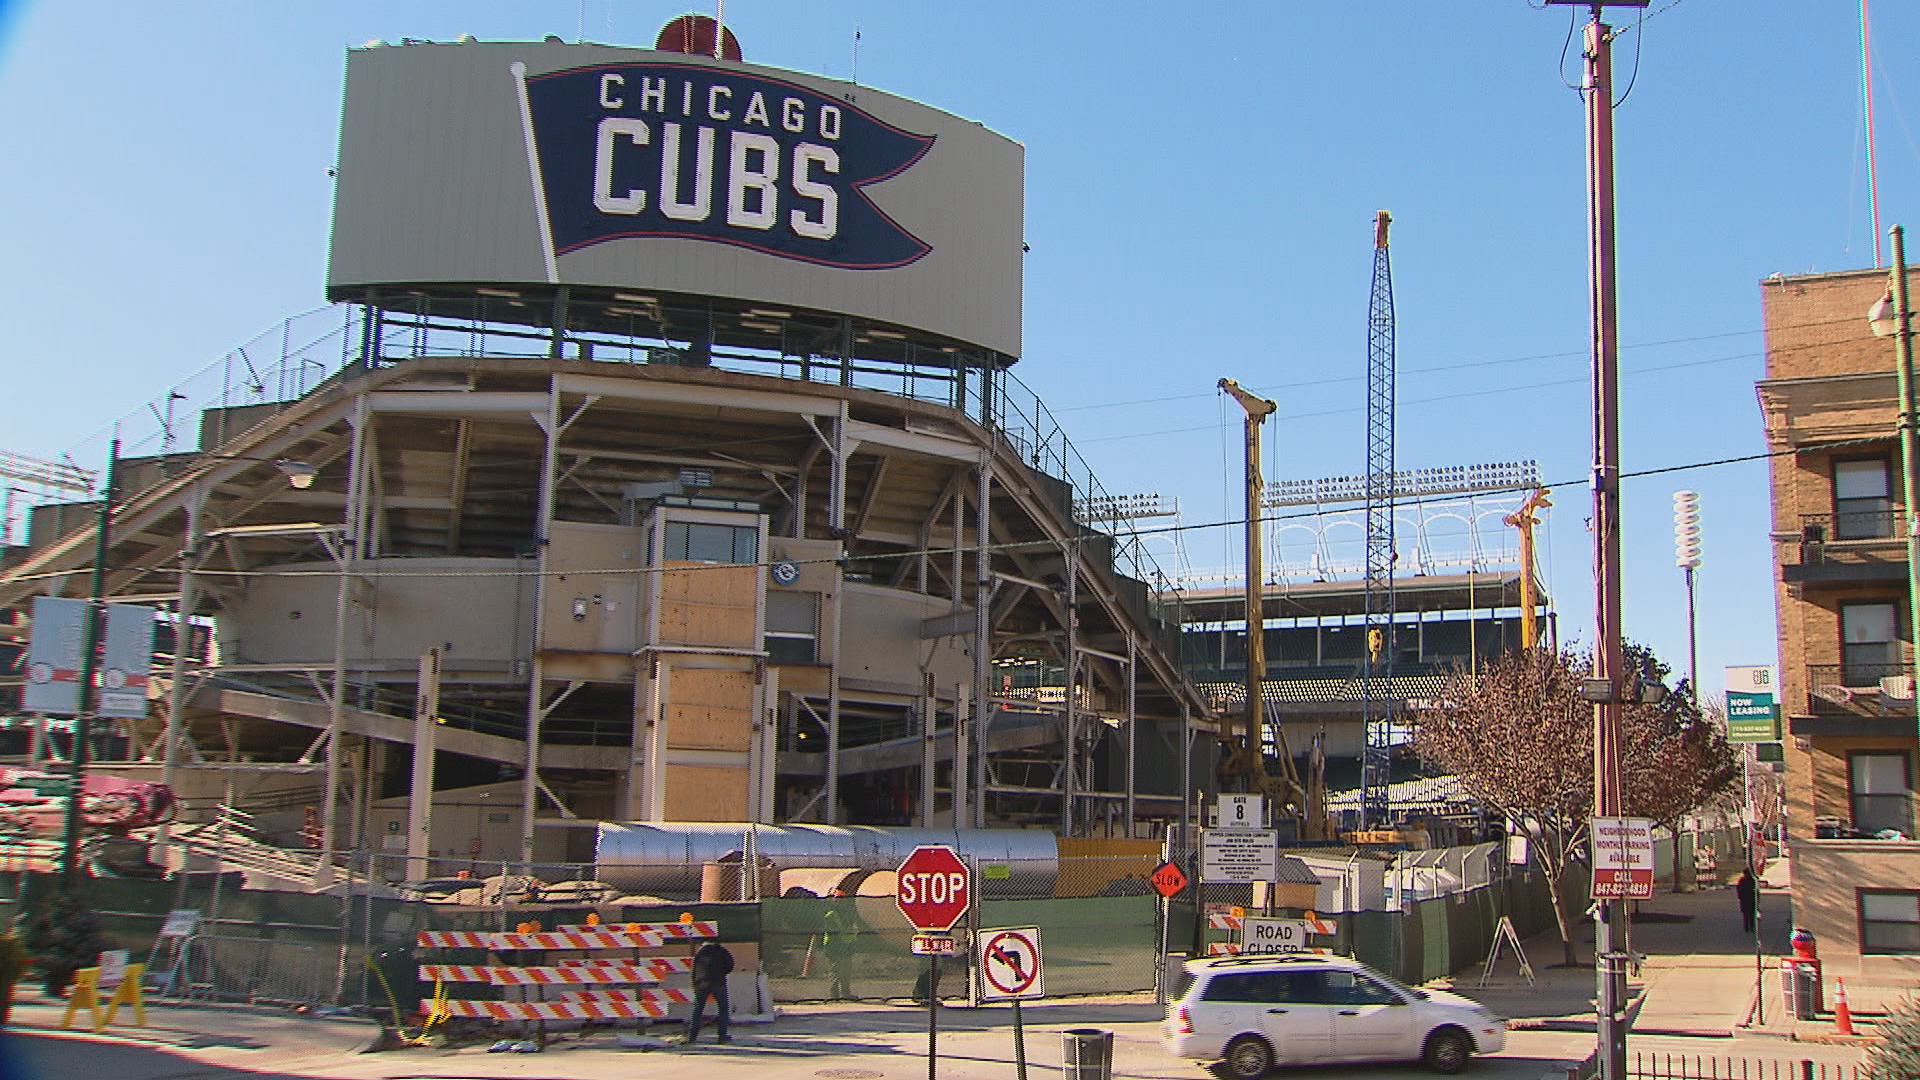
(712, 686)
(684, 623)
(708, 727)
(706, 793)
(706, 583)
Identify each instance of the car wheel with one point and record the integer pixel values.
(1248, 1058)
(1447, 1051)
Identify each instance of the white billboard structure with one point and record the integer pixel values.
(590, 183)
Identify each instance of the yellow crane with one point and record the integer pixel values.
(1244, 760)
(1524, 520)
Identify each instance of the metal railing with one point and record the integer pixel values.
(254, 970)
(1860, 689)
(1882, 523)
(1665, 1066)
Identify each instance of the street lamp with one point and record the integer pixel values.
(1892, 316)
(299, 473)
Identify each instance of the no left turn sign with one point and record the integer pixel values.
(1010, 964)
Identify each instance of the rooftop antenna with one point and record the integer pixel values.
(719, 27)
(1866, 104)
(856, 65)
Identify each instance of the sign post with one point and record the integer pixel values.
(1010, 970)
(933, 889)
(1167, 880)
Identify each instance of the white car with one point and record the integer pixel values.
(1255, 1012)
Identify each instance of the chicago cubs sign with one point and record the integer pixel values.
(547, 164)
(668, 150)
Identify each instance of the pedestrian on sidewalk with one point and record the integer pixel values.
(1748, 890)
(712, 963)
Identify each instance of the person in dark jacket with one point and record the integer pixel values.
(1748, 892)
(712, 963)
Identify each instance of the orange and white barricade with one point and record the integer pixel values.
(551, 1010)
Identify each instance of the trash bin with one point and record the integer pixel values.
(1800, 988)
(1086, 1054)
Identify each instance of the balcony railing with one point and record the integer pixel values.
(1860, 689)
(1876, 524)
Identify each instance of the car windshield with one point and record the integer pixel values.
(1402, 987)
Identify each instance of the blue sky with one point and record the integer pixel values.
(1201, 183)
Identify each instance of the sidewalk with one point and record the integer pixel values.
(1696, 982)
(234, 1036)
(1696, 976)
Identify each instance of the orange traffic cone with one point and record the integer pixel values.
(1842, 1016)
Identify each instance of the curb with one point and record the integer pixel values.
(1685, 1033)
(1831, 1039)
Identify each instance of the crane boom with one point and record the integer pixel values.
(1524, 520)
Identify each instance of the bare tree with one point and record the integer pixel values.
(1675, 758)
(1520, 737)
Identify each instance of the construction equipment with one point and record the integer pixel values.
(1245, 760)
(1524, 520)
(1376, 761)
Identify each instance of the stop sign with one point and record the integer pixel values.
(934, 888)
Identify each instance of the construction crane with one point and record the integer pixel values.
(1376, 761)
(1245, 760)
(1524, 520)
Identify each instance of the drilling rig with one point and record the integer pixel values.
(1245, 761)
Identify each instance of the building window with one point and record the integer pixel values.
(1869, 643)
(793, 627)
(1889, 921)
(1880, 791)
(1862, 500)
(693, 541)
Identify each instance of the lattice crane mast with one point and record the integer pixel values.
(1377, 760)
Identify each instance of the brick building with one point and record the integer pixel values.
(1845, 635)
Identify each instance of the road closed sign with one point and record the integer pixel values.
(1009, 963)
(1273, 935)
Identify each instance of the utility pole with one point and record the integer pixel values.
(89, 669)
(1609, 674)
(1892, 316)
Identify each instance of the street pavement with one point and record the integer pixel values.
(1692, 997)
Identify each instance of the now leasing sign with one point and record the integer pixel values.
(1753, 710)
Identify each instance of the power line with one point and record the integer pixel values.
(169, 567)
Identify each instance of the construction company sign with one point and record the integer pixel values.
(708, 154)
(543, 163)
